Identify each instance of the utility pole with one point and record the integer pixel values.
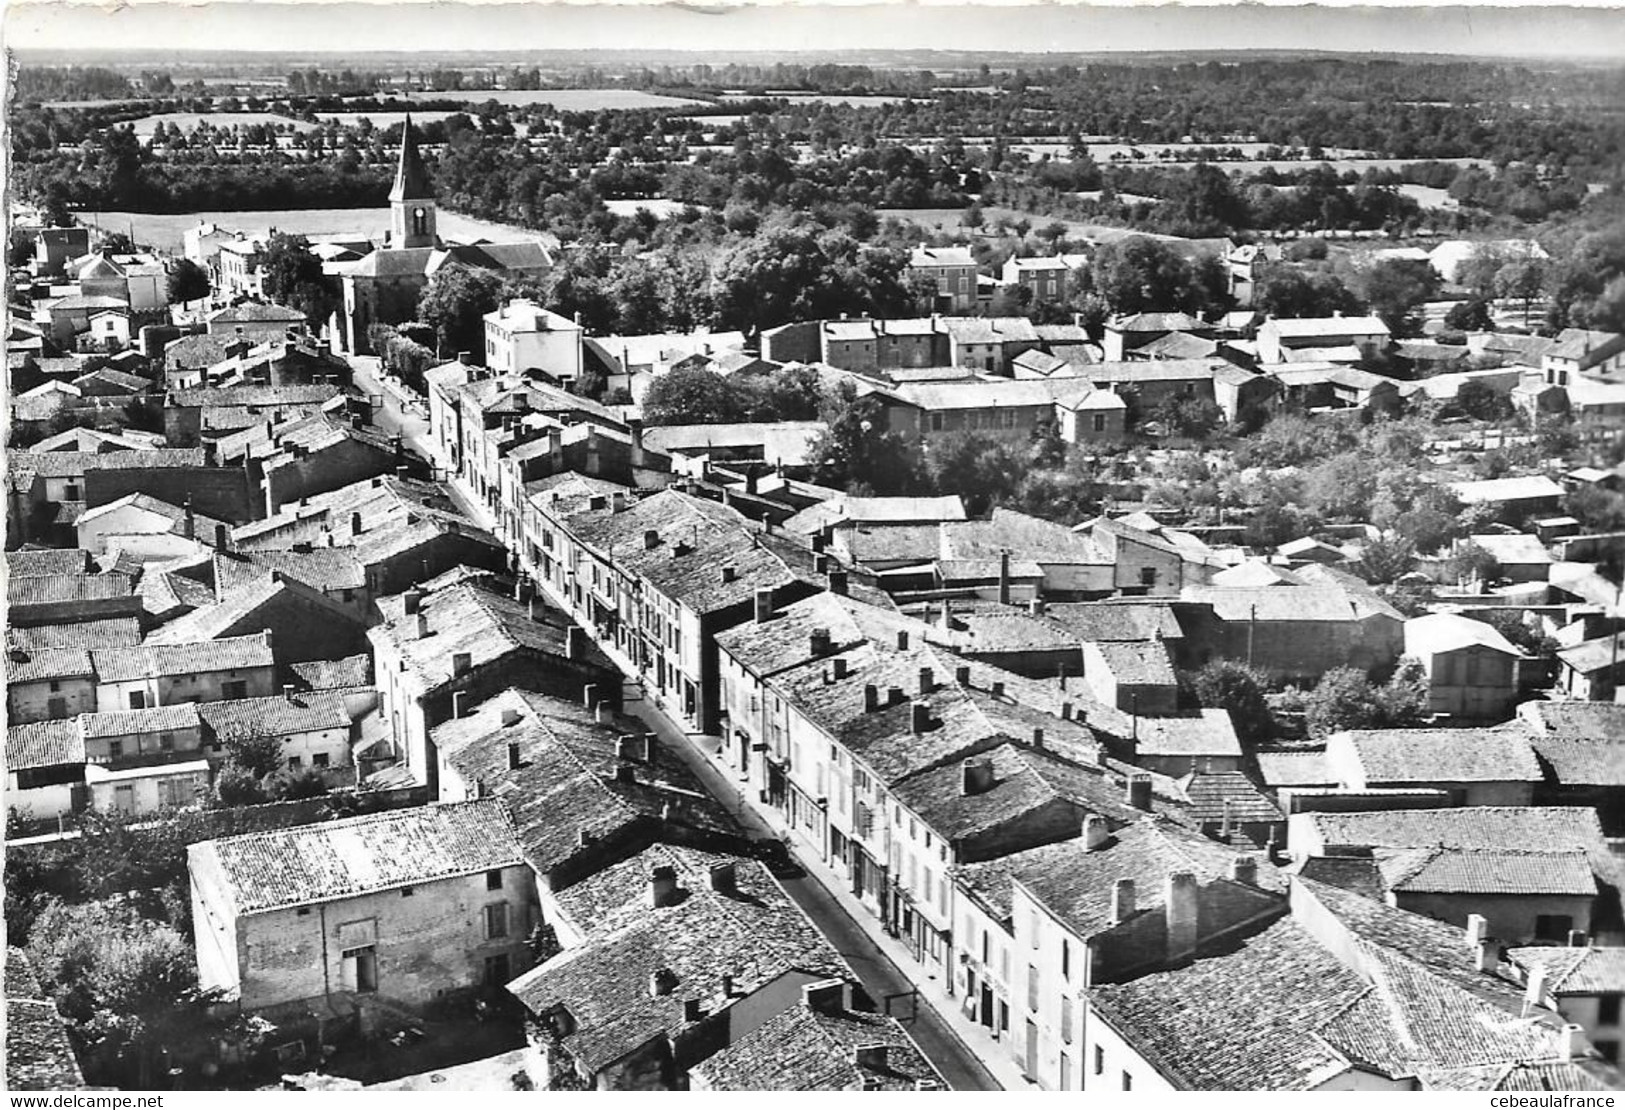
(1252, 621)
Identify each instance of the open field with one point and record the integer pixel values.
(186, 121)
(830, 98)
(659, 207)
(165, 231)
(565, 100)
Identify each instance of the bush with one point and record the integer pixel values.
(1346, 699)
(1239, 690)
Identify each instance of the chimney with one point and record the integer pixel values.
(1578, 938)
(819, 642)
(764, 604)
(651, 539)
(837, 668)
(870, 1057)
(1122, 901)
(460, 662)
(583, 837)
(1571, 1041)
(962, 675)
(820, 564)
(871, 698)
(928, 681)
(625, 773)
(947, 613)
(589, 695)
(837, 582)
(1038, 738)
(692, 1011)
(920, 720)
(630, 749)
(635, 427)
(222, 537)
(1478, 930)
(1095, 833)
(190, 524)
(530, 606)
(1180, 907)
(514, 761)
(894, 695)
(730, 573)
(355, 524)
(1244, 870)
(827, 996)
(1139, 791)
(465, 357)
(976, 776)
(1035, 607)
(902, 640)
(1004, 578)
(722, 878)
(662, 983)
(459, 704)
(617, 502)
(662, 885)
(575, 642)
(421, 627)
(510, 717)
(411, 602)
(1534, 988)
(287, 692)
(997, 690)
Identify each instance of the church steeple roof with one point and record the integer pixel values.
(412, 177)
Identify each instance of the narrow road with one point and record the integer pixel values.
(880, 977)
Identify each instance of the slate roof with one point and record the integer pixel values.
(566, 785)
(108, 632)
(333, 860)
(280, 715)
(122, 664)
(44, 744)
(602, 983)
(799, 1049)
(1429, 756)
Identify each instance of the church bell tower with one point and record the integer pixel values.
(411, 201)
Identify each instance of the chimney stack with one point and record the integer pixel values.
(662, 885)
(287, 692)
(1038, 738)
(651, 539)
(764, 604)
(902, 640)
(421, 627)
(730, 573)
(837, 582)
(920, 719)
(976, 776)
(461, 661)
(222, 537)
(722, 878)
(819, 642)
(355, 524)
(928, 681)
(1578, 938)
(411, 601)
(1004, 578)
(962, 675)
(827, 996)
(1122, 901)
(692, 1010)
(662, 983)
(837, 668)
(625, 773)
(1139, 791)
(191, 521)
(997, 690)
(514, 760)
(1095, 832)
(575, 642)
(589, 695)
(1244, 869)
(510, 716)
(1571, 1041)
(871, 698)
(459, 704)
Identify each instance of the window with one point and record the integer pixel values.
(496, 970)
(232, 691)
(496, 921)
(1608, 1009)
(166, 741)
(1553, 926)
(1609, 1051)
(1100, 422)
(1032, 988)
(1066, 1072)
(138, 699)
(303, 911)
(987, 940)
(1100, 1060)
(406, 892)
(320, 759)
(55, 686)
(1066, 1019)
(493, 879)
(1148, 576)
(1033, 926)
(115, 749)
(1066, 959)
(936, 422)
(1128, 1082)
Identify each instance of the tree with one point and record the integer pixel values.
(1469, 563)
(980, 469)
(1143, 275)
(235, 785)
(1345, 698)
(187, 281)
(1385, 560)
(858, 453)
(690, 395)
(1522, 279)
(1239, 690)
(454, 304)
(1396, 288)
(1479, 401)
(1192, 417)
(293, 277)
(1470, 315)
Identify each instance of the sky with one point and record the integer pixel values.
(1594, 29)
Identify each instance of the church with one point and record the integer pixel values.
(383, 287)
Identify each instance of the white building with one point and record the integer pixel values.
(523, 336)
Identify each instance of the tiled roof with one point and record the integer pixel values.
(42, 664)
(889, 543)
(127, 722)
(1217, 796)
(333, 674)
(203, 527)
(785, 641)
(1519, 548)
(876, 510)
(1255, 573)
(1208, 732)
(470, 619)
(1027, 538)
(359, 855)
(1594, 655)
(1488, 873)
(1429, 756)
(245, 606)
(109, 632)
(321, 568)
(799, 1049)
(1279, 769)
(567, 784)
(1243, 1022)
(1582, 970)
(1575, 1075)
(1134, 662)
(39, 1056)
(237, 396)
(1275, 603)
(1327, 326)
(1157, 321)
(44, 744)
(1507, 489)
(1441, 632)
(33, 564)
(275, 716)
(1076, 885)
(66, 589)
(256, 312)
(1104, 621)
(603, 982)
(116, 664)
(1583, 743)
